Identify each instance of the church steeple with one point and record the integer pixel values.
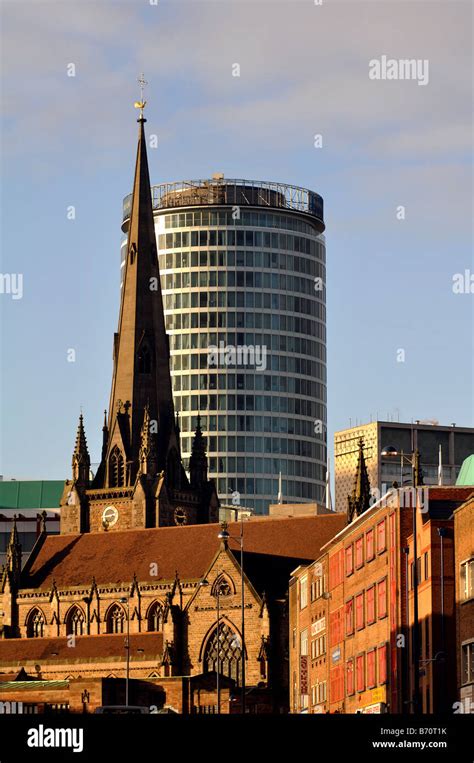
(141, 374)
(198, 459)
(81, 462)
(13, 560)
(359, 500)
(141, 481)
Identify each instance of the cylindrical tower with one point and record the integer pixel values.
(243, 274)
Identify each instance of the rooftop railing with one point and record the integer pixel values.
(227, 192)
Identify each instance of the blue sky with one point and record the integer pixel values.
(303, 70)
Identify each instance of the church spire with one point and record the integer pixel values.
(198, 458)
(13, 556)
(359, 500)
(81, 462)
(141, 373)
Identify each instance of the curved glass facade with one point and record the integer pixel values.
(244, 300)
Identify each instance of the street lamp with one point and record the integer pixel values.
(225, 535)
(126, 600)
(413, 459)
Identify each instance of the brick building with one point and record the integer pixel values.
(464, 583)
(367, 612)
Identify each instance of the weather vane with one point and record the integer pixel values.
(141, 103)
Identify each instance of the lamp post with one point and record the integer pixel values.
(224, 535)
(413, 459)
(126, 600)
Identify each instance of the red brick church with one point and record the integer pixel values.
(138, 600)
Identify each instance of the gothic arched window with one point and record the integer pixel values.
(115, 619)
(116, 470)
(223, 586)
(144, 360)
(75, 622)
(35, 624)
(155, 617)
(224, 649)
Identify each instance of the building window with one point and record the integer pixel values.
(155, 617)
(349, 617)
(144, 360)
(223, 649)
(382, 654)
(371, 605)
(318, 647)
(304, 643)
(371, 679)
(318, 586)
(304, 592)
(116, 468)
(35, 624)
(318, 693)
(336, 631)
(382, 598)
(359, 552)
(467, 579)
(75, 622)
(336, 568)
(360, 672)
(359, 611)
(349, 559)
(350, 686)
(369, 545)
(467, 659)
(427, 568)
(381, 536)
(337, 684)
(115, 619)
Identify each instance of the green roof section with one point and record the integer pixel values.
(466, 475)
(30, 494)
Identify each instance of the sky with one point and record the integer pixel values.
(400, 339)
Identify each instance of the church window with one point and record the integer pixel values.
(222, 586)
(155, 617)
(35, 624)
(223, 651)
(144, 360)
(75, 622)
(116, 468)
(115, 619)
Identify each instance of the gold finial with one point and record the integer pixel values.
(141, 103)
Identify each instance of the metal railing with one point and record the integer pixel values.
(231, 192)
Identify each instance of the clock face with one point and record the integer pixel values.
(180, 516)
(110, 516)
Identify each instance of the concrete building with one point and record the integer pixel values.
(242, 266)
(457, 443)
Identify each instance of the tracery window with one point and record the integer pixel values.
(224, 648)
(115, 619)
(116, 470)
(155, 617)
(35, 624)
(75, 622)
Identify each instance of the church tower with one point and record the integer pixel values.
(141, 481)
(359, 500)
